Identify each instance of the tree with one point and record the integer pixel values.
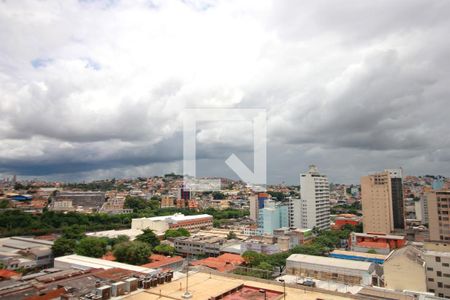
(135, 253)
(119, 239)
(173, 233)
(372, 251)
(4, 204)
(91, 246)
(278, 260)
(74, 232)
(231, 235)
(149, 237)
(164, 249)
(253, 258)
(63, 246)
(218, 195)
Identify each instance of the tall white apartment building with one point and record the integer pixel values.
(315, 196)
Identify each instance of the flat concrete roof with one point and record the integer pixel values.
(203, 285)
(90, 262)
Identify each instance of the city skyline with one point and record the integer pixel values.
(96, 89)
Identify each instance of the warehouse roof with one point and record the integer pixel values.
(84, 262)
(331, 262)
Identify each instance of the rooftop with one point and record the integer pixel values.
(84, 262)
(203, 286)
(331, 262)
(177, 217)
(362, 254)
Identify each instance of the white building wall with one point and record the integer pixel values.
(315, 193)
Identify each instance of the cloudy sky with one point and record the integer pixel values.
(97, 89)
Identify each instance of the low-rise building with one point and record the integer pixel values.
(437, 261)
(24, 252)
(163, 223)
(333, 269)
(379, 242)
(200, 245)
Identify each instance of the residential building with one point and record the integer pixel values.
(274, 215)
(380, 243)
(437, 262)
(295, 212)
(295, 236)
(438, 215)
(404, 269)
(223, 263)
(376, 199)
(24, 252)
(346, 219)
(396, 176)
(253, 203)
(163, 223)
(200, 245)
(315, 193)
(333, 269)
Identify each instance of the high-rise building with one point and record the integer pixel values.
(397, 197)
(295, 212)
(253, 203)
(376, 200)
(438, 215)
(274, 215)
(315, 200)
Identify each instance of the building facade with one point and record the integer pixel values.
(376, 200)
(333, 269)
(163, 223)
(437, 262)
(438, 203)
(315, 204)
(396, 176)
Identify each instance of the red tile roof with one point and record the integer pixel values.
(50, 295)
(375, 245)
(159, 261)
(8, 274)
(223, 263)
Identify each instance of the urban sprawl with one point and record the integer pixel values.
(154, 238)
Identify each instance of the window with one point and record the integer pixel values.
(430, 279)
(429, 269)
(439, 284)
(439, 273)
(431, 290)
(438, 259)
(445, 264)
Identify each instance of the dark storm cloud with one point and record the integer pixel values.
(352, 86)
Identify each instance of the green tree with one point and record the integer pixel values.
(372, 251)
(91, 246)
(119, 239)
(164, 249)
(135, 253)
(63, 246)
(74, 232)
(173, 233)
(149, 237)
(4, 203)
(231, 235)
(253, 258)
